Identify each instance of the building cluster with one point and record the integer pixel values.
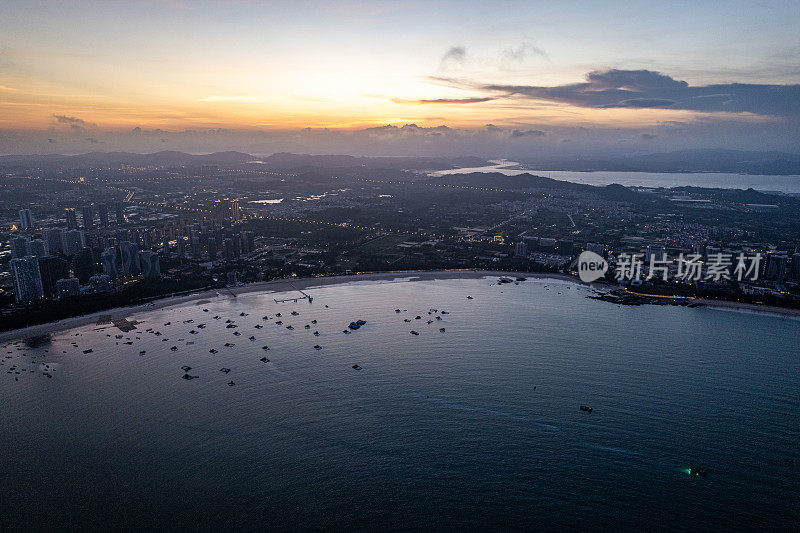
(58, 262)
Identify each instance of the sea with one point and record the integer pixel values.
(788, 184)
(473, 423)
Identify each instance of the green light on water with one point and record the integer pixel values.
(687, 471)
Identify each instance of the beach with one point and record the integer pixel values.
(293, 284)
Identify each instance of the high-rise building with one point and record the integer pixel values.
(71, 241)
(53, 238)
(72, 219)
(181, 246)
(20, 246)
(237, 244)
(521, 249)
(110, 264)
(796, 267)
(38, 248)
(212, 249)
(150, 265)
(248, 241)
(83, 265)
(25, 219)
(119, 212)
(51, 270)
(775, 268)
(101, 283)
(68, 287)
(88, 217)
(235, 214)
(129, 253)
(230, 250)
(27, 279)
(102, 211)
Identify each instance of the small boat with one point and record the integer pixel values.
(356, 367)
(314, 321)
(88, 351)
(295, 313)
(586, 408)
(278, 314)
(265, 347)
(252, 338)
(317, 347)
(264, 360)
(698, 472)
(354, 325)
(396, 310)
(205, 310)
(231, 326)
(186, 368)
(259, 326)
(229, 344)
(441, 329)
(231, 383)
(469, 298)
(414, 332)
(174, 348)
(142, 352)
(226, 370)
(316, 333)
(212, 350)
(242, 314)
(279, 323)
(236, 333)
(289, 327)
(406, 320)
(188, 377)
(307, 326)
(346, 332)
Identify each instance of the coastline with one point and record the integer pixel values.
(286, 285)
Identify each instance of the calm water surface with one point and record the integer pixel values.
(476, 425)
(714, 180)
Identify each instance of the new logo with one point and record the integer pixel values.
(591, 266)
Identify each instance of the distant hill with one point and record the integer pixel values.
(701, 160)
(286, 160)
(160, 159)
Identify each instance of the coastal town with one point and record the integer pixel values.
(104, 234)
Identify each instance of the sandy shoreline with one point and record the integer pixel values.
(288, 285)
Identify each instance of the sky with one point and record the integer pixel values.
(502, 78)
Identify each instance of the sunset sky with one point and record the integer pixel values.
(161, 74)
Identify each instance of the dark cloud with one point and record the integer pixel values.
(473, 100)
(92, 140)
(648, 136)
(649, 89)
(63, 119)
(455, 54)
(522, 52)
(51, 141)
(74, 123)
(527, 133)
